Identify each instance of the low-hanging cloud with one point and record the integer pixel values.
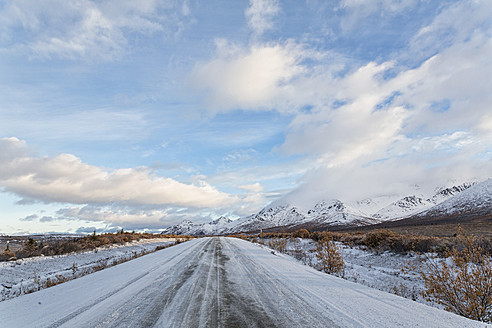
(132, 218)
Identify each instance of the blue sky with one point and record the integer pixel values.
(142, 114)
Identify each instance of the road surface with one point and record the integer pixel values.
(217, 282)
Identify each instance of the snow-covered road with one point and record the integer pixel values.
(217, 282)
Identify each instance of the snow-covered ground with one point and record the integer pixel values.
(218, 282)
(382, 271)
(32, 274)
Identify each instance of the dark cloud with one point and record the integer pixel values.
(29, 218)
(48, 219)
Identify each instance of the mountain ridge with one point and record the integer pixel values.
(335, 213)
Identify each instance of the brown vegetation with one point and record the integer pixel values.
(379, 240)
(441, 227)
(61, 246)
(278, 244)
(330, 257)
(463, 284)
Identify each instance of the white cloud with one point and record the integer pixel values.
(456, 23)
(82, 28)
(357, 10)
(250, 204)
(373, 6)
(252, 201)
(485, 125)
(253, 78)
(115, 216)
(93, 33)
(255, 187)
(89, 125)
(394, 126)
(393, 178)
(354, 129)
(66, 179)
(238, 156)
(133, 218)
(260, 14)
(404, 119)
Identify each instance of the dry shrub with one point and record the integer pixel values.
(158, 248)
(387, 240)
(270, 235)
(301, 233)
(319, 235)
(25, 252)
(423, 244)
(330, 256)
(463, 282)
(241, 236)
(278, 244)
(58, 279)
(350, 238)
(378, 238)
(59, 246)
(6, 255)
(298, 252)
(70, 247)
(406, 292)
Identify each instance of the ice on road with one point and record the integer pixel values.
(218, 282)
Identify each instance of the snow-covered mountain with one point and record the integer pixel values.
(184, 228)
(335, 212)
(322, 214)
(404, 207)
(443, 194)
(374, 204)
(413, 204)
(475, 199)
(189, 228)
(463, 198)
(269, 217)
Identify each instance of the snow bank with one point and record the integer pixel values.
(31, 274)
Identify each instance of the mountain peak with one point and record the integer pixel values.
(466, 197)
(221, 221)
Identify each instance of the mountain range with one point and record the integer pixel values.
(468, 199)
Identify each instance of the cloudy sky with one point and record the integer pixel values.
(139, 114)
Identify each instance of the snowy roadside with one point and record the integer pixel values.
(31, 274)
(382, 271)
